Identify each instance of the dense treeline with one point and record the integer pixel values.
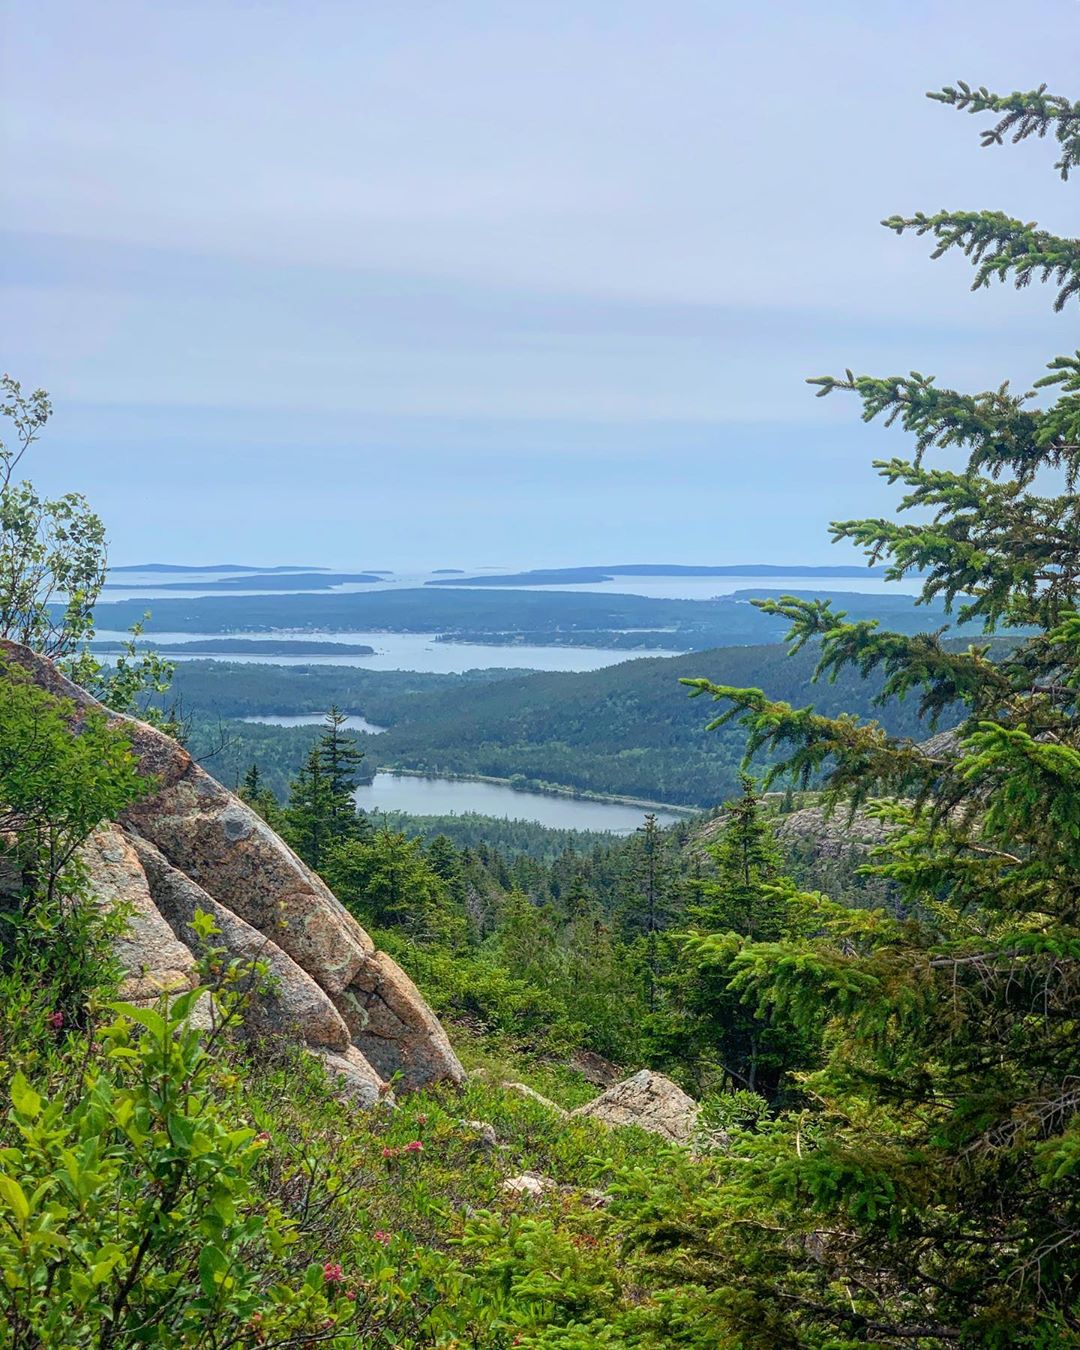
(511, 838)
(243, 646)
(637, 641)
(626, 729)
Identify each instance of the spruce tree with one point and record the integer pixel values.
(251, 785)
(388, 881)
(706, 1024)
(308, 810)
(649, 902)
(926, 1191)
(339, 761)
(260, 798)
(321, 814)
(738, 896)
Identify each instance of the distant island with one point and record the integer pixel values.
(448, 572)
(211, 567)
(242, 647)
(555, 576)
(261, 581)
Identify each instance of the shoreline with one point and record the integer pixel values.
(549, 790)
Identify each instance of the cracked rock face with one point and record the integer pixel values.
(191, 844)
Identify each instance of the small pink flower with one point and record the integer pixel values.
(55, 1020)
(380, 1236)
(263, 1137)
(421, 1120)
(332, 1273)
(415, 1147)
(390, 1152)
(350, 1294)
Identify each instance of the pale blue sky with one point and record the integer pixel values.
(466, 282)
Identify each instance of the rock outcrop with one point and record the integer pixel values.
(651, 1102)
(824, 852)
(594, 1068)
(191, 844)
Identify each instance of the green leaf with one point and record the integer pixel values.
(212, 1268)
(182, 1006)
(15, 1198)
(147, 1017)
(25, 1100)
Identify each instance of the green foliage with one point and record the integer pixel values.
(252, 789)
(131, 1216)
(707, 1027)
(386, 880)
(924, 1189)
(158, 1187)
(738, 897)
(1032, 114)
(52, 552)
(997, 244)
(61, 775)
(53, 567)
(340, 761)
(321, 814)
(128, 682)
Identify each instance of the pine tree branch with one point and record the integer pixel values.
(1000, 246)
(1032, 114)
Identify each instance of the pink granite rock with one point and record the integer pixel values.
(293, 1004)
(155, 960)
(201, 846)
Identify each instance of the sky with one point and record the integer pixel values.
(422, 283)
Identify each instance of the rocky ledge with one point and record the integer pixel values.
(193, 845)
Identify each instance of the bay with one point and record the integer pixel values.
(411, 651)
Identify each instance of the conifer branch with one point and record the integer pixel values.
(1000, 246)
(1032, 114)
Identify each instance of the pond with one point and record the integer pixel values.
(424, 796)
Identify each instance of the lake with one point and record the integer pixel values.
(445, 796)
(351, 723)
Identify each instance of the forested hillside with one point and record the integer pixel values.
(628, 730)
